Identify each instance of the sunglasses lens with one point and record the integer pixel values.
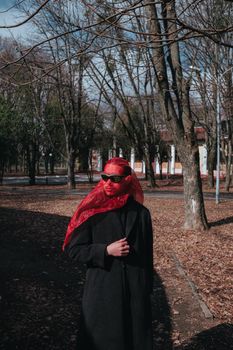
(113, 178)
(105, 177)
(116, 179)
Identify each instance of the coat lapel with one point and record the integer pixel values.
(130, 220)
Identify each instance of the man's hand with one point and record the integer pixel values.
(118, 248)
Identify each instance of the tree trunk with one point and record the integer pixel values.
(31, 163)
(228, 162)
(228, 179)
(211, 160)
(2, 165)
(146, 172)
(195, 217)
(38, 164)
(51, 164)
(83, 159)
(149, 169)
(151, 175)
(46, 164)
(71, 170)
(32, 175)
(90, 174)
(160, 170)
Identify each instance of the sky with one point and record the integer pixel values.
(10, 16)
(6, 3)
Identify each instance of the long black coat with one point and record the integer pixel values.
(116, 312)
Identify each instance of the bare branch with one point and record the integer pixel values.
(27, 19)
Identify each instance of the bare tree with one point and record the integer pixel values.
(175, 106)
(68, 80)
(209, 64)
(168, 27)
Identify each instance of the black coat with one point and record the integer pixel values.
(116, 307)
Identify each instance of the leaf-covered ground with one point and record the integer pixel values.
(40, 289)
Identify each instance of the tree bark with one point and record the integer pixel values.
(210, 125)
(160, 168)
(51, 164)
(2, 167)
(31, 163)
(149, 168)
(195, 217)
(211, 161)
(228, 162)
(71, 170)
(228, 179)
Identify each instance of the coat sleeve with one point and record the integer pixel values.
(149, 250)
(80, 248)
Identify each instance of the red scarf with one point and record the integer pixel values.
(98, 202)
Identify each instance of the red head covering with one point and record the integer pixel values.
(98, 202)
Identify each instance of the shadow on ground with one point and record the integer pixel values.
(216, 338)
(224, 221)
(161, 316)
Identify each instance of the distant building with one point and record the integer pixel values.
(171, 166)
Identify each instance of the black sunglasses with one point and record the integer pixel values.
(113, 178)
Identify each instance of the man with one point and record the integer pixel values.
(111, 233)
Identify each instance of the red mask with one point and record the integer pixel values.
(107, 195)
